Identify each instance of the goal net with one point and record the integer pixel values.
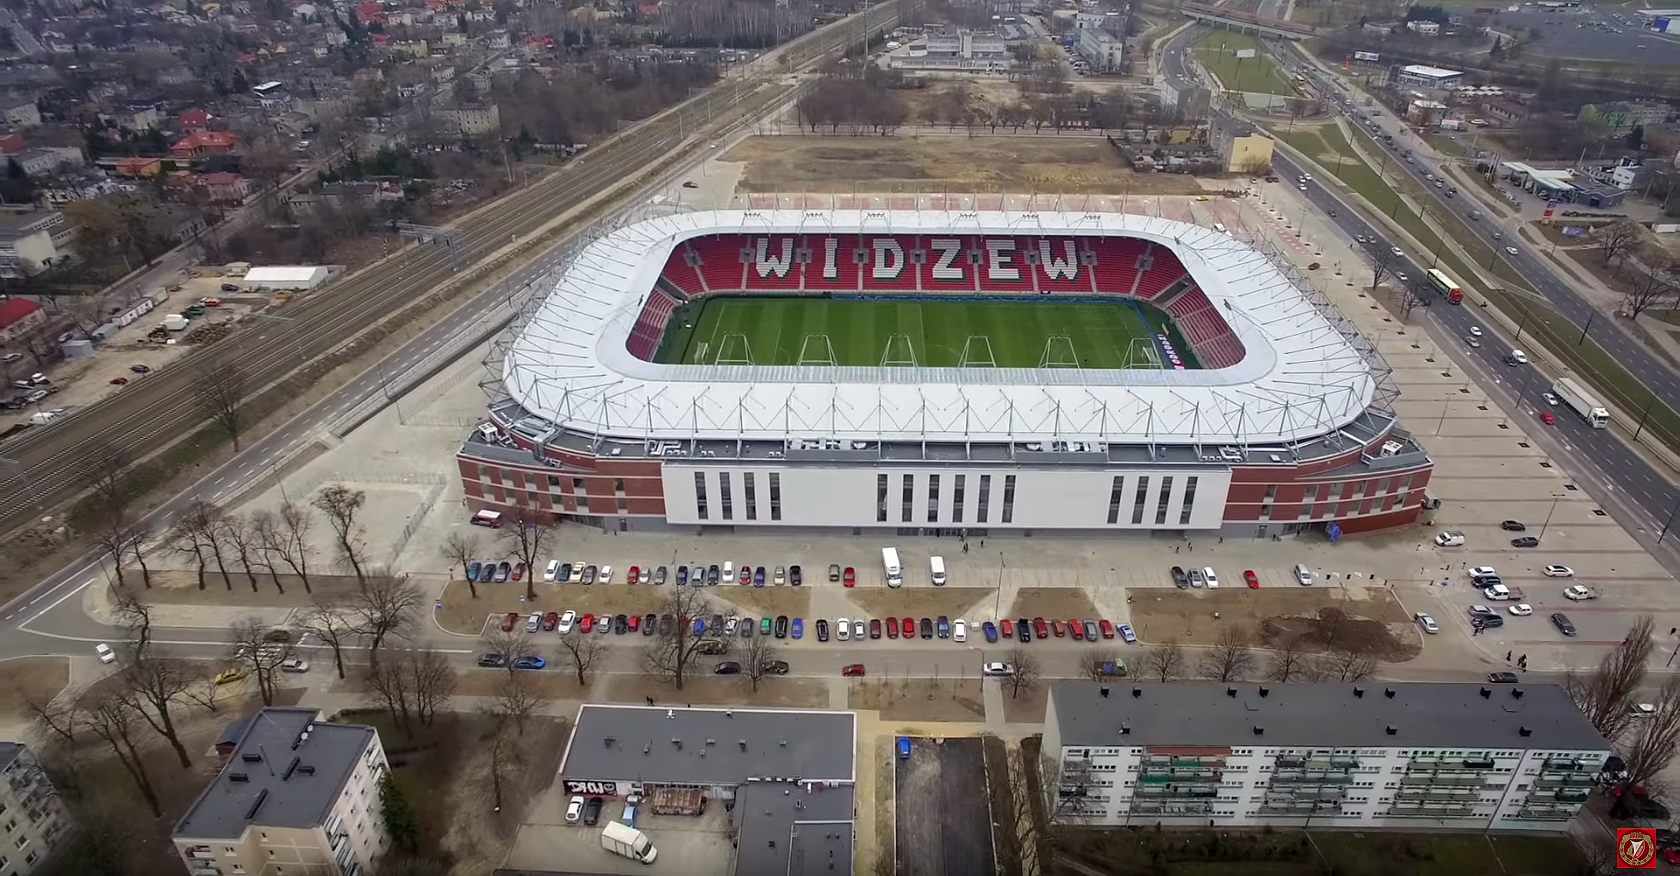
(817, 350)
(977, 352)
(1058, 353)
(734, 350)
(898, 352)
(1142, 353)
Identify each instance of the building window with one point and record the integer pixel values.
(880, 498)
(775, 496)
(957, 499)
(700, 495)
(909, 498)
(1008, 498)
(1138, 500)
(985, 498)
(618, 494)
(582, 495)
(1189, 501)
(1114, 490)
(724, 499)
(747, 479)
(933, 498)
(1161, 503)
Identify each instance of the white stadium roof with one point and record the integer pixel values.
(568, 364)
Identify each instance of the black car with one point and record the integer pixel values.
(717, 624)
(1563, 623)
(1502, 677)
(927, 628)
(621, 624)
(565, 573)
(650, 624)
(776, 667)
(795, 577)
(1023, 629)
(710, 646)
(1180, 580)
(1487, 621)
(682, 576)
(666, 624)
(1513, 526)
(727, 667)
(592, 811)
(659, 575)
(781, 626)
(822, 630)
(748, 626)
(1525, 541)
(493, 661)
(712, 574)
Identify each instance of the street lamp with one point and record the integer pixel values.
(1555, 498)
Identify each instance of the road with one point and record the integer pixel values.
(47, 464)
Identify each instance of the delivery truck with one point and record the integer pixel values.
(627, 841)
(1584, 405)
(889, 562)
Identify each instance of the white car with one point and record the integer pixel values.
(1477, 572)
(1510, 250)
(534, 622)
(996, 669)
(1475, 331)
(104, 652)
(1497, 592)
(859, 631)
(606, 575)
(1577, 593)
(577, 573)
(1521, 609)
(1551, 399)
(1642, 710)
(959, 630)
(295, 665)
(574, 810)
(1395, 250)
(1212, 579)
(567, 618)
(842, 629)
(552, 572)
(1449, 539)
(1556, 571)
(1428, 623)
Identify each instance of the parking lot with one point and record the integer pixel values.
(941, 822)
(546, 843)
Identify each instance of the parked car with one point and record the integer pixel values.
(798, 631)
(586, 624)
(780, 577)
(509, 621)
(492, 661)
(858, 631)
(996, 668)
(1502, 678)
(682, 576)
(843, 629)
(796, 577)
(852, 670)
(727, 667)
(875, 628)
(1040, 628)
(1563, 623)
(1251, 579)
(530, 662)
(503, 570)
(549, 620)
(1554, 570)
(566, 621)
(1521, 609)
(908, 627)
(592, 811)
(1526, 541)
(776, 667)
(574, 810)
(518, 571)
(1180, 580)
(1107, 628)
(1090, 630)
(1427, 623)
(834, 571)
(781, 626)
(473, 569)
(1023, 630)
(989, 630)
(850, 577)
(659, 575)
(1126, 634)
(1513, 525)
(927, 628)
(822, 630)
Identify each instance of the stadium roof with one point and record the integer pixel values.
(1302, 376)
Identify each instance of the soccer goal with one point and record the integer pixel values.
(898, 352)
(817, 350)
(1142, 353)
(1058, 353)
(977, 352)
(734, 350)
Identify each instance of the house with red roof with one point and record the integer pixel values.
(18, 316)
(194, 120)
(370, 10)
(202, 143)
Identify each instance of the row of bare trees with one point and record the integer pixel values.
(1234, 657)
(1644, 738)
(526, 535)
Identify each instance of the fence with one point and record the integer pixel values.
(415, 521)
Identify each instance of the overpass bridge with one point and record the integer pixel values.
(1247, 22)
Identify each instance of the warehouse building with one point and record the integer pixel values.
(1476, 757)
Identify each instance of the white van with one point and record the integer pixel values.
(937, 566)
(492, 519)
(1303, 575)
(1450, 539)
(552, 572)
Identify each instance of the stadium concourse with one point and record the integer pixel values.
(937, 370)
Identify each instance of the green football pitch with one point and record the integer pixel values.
(810, 330)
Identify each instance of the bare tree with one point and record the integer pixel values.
(386, 606)
(581, 652)
(460, 547)
(1230, 658)
(759, 657)
(183, 539)
(342, 506)
(242, 538)
(137, 535)
(510, 645)
(109, 490)
(526, 537)
(201, 524)
(1026, 674)
(152, 689)
(414, 685)
(112, 719)
(670, 653)
(251, 650)
(1344, 664)
(506, 757)
(1647, 746)
(266, 536)
(1383, 263)
(219, 387)
(1288, 660)
(1606, 696)
(292, 540)
(516, 700)
(1164, 661)
(336, 625)
(135, 618)
(1616, 238)
(1647, 284)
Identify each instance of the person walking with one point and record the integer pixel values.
(1507, 656)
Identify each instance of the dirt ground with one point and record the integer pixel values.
(1028, 707)
(175, 587)
(463, 614)
(921, 699)
(797, 693)
(1049, 602)
(31, 679)
(1047, 165)
(772, 601)
(1367, 620)
(918, 601)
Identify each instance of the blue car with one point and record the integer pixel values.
(758, 577)
(903, 748)
(1126, 634)
(990, 629)
(699, 626)
(472, 570)
(799, 628)
(682, 576)
(529, 663)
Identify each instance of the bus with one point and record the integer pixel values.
(1444, 284)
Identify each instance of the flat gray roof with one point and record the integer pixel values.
(9, 752)
(277, 788)
(703, 746)
(1423, 715)
(786, 829)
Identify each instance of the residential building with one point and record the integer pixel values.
(1424, 28)
(1366, 755)
(32, 820)
(32, 242)
(46, 160)
(202, 143)
(221, 187)
(298, 796)
(84, 186)
(955, 50)
(1620, 117)
(1242, 147)
(471, 120)
(1422, 76)
(1104, 51)
(20, 112)
(194, 120)
(18, 317)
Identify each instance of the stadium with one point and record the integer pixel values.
(935, 371)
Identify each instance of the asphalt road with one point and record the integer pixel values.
(48, 463)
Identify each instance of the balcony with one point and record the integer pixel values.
(1548, 783)
(1157, 775)
(1160, 791)
(1438, 794)
(1154, 807)
(1546, 814)
(204, 870)
(1302, 807)
(1311, 777)
(1571, 795)
(1563, 764)
(1444, 777)
(1430, 810)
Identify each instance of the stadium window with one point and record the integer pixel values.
(618, 494)
(724, 498)
(1137, 502)
(985, 498)
(751, 488)
(880, 498)
(1163, 501)
(1189, 500)
(933, 498)
(957, 499)
(582, 495)
(775, 496)
(554, 480)
(1384, 485)
(700, 495)
(1008, 498)
(1114, 489)
(909, 498)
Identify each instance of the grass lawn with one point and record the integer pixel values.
(1448, 145)
(1217, 52)
(1452, 854)
(1016, 333)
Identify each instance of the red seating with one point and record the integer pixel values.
(1117, 270)
(1010, 258)
(774, 263)
(1059, 267)
(892, 268)
(832, 266)
(1206, 330)
(680, 273)
(650, 325)
(1164, 269)
(938, 248)
(720, 261)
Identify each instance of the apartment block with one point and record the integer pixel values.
(32, 820)
(1476, 757)
(297, 797)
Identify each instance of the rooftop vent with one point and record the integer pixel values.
(1388, 692)
(307, 769)
(1259, 730)
(710, 741)
(1137, 692)
(729, 713)
(1392, 730)
(783, 743)
(677, 742)
(1230, 691)
(1103, 691)
(238, 777)
(608, 741)
(1516, 693)
(1265, 691)
(1524, 731)
(1359, 692)
(670, 714)
(289, 769)
(256, 804)
(1125, 728)
(251, 758)
(1486, 693)
(742, 743)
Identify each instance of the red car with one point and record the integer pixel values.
(1008, 628)
(549, 620)
(635, 572)
(634, 622)
(586, 623)
(909, 626)
(849, 578)
(1057, 628)
(1252, 579)
(518, 571)
(119, 381)
(852, 670)
(1041, 628)
(1547, 418)
(1077, 628)
(892, 628)
(875, 628)
(509, 621)
(1107, 628)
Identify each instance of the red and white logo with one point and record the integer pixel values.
(1636, 848)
